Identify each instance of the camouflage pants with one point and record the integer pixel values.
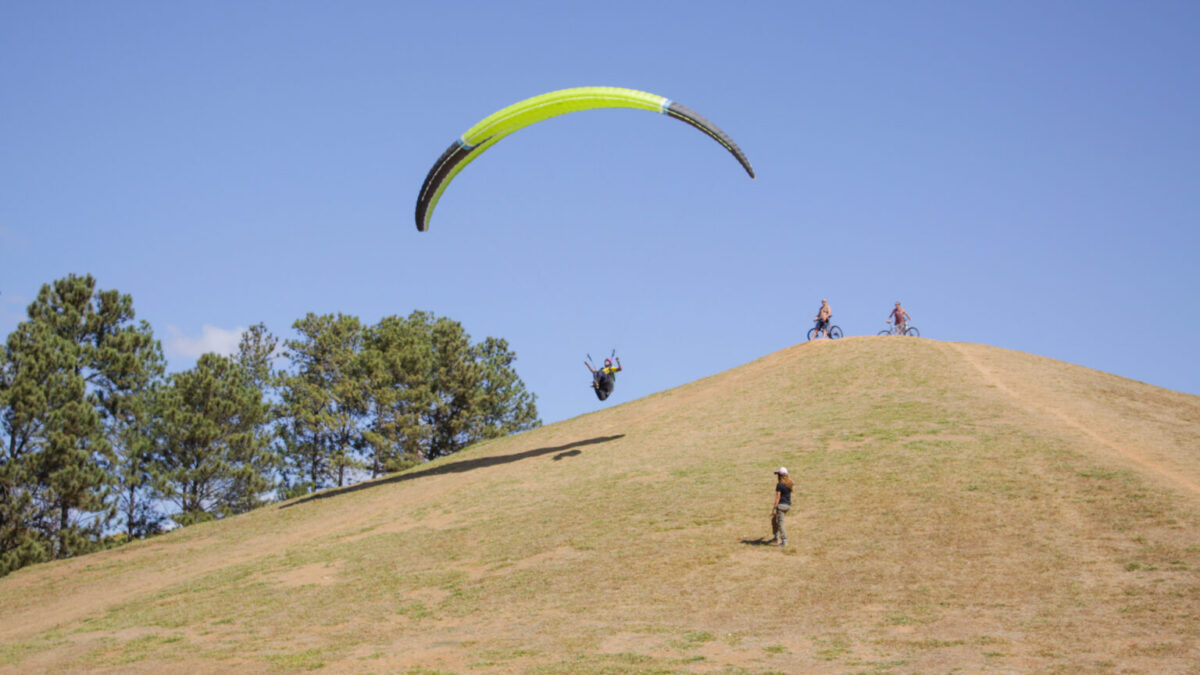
(777, 529)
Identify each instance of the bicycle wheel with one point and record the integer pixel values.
(835, 332)
(812, 332)
(913, 332)
(884, 332)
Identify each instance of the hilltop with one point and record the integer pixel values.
(958, 507)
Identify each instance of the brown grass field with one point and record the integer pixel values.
(959, 508)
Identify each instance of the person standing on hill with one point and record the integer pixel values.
(823, 316)
(901, 318)
(783, 503)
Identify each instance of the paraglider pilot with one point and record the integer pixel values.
(604, 379)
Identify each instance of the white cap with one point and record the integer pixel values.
(781, 470)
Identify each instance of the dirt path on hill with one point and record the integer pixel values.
(1040, 400)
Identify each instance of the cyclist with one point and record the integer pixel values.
(823, 316)
(901, 318)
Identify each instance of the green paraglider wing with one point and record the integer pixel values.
(503, 122)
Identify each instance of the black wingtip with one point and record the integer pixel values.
(454, 154)
(686, 114)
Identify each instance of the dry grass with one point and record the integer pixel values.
(959, 508)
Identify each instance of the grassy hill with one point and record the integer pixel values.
(958, 507)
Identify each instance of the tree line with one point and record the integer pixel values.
(102, 446)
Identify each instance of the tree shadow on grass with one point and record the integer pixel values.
(568, 450)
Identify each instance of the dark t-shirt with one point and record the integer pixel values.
(785, 493)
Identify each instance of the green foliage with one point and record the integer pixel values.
(212, 457)
(69, 375)
(323, 401)
(134, 471)
(257, 350)
(94, 440)
(434, 392)
(397, 358)
(392, 395)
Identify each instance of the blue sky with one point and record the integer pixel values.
(1019, 174)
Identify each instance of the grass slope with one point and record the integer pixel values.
(959, 507)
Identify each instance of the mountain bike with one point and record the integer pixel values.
(909, 330)
(835, 332)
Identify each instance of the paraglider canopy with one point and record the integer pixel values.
(488, 131)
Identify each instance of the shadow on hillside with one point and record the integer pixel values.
(761, 541)
(568, 450)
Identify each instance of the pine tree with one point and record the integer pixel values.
(212, 458)
(503, 405)
(135, 362)
(68, 369)
(476, 393)
(257, 351)
(24, 403)
(433, 392)
(397, 359)
(324, 403)
(135, 471)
